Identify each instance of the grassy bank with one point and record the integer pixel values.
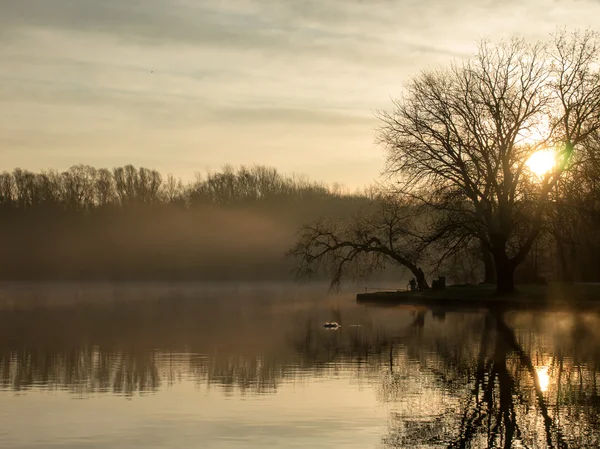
(526, 296)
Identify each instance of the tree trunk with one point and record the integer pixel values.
(488, 264)
(421, 281)
(505, 271)
(564, 271)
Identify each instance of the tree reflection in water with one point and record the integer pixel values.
(450, 379)
(494, 398)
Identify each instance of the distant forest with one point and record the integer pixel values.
(134, 224)
(235, 224)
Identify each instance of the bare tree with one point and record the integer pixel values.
(7, 189)
(137, 185)
(172, 190)
(104, 187)
(386, 233)
(459, 139)
(78, 184)
(147, 186)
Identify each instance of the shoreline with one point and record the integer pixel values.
(582, 296)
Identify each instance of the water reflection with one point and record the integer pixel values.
(495, 395)
(449, 378)
(543, 377)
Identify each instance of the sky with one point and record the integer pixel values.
(186, 86)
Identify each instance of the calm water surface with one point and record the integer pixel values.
(209, 366)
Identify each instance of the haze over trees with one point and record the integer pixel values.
(133, 223)
(460, 144)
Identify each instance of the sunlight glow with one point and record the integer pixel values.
(541, 162)
(543, 377)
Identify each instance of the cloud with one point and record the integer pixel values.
(266, 81)
(336, 28)
(301, 27)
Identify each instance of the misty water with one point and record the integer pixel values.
(181, 365)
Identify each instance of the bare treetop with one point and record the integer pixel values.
(460, 138)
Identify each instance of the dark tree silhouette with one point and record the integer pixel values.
(576, 215)
(460, 138)
(385, 233)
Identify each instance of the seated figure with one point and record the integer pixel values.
(413, 285)
(439, 284)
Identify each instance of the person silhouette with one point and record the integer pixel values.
(413, 284)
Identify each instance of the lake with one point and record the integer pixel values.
(181, 365)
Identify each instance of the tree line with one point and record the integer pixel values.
(459, 196)
(238, 223)
(134, 223)
(84, 188)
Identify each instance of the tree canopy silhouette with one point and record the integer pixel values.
(386, 232)
(459, 144)
(459, 140)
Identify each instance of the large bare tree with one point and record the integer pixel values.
(459, 139)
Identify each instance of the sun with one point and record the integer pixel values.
(541, 162)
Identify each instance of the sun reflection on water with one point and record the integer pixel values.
(543, 377)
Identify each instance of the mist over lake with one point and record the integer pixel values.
(250, 365)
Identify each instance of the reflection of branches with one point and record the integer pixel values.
(495, 373)
(495, 408)
(511, 340)
(490, 376)
(134, 374)
(81, 370)
(471, 421)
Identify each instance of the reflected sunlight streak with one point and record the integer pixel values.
(543, 377)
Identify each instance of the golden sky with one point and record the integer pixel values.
(188, 85)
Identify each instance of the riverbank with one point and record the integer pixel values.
(555, 295)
